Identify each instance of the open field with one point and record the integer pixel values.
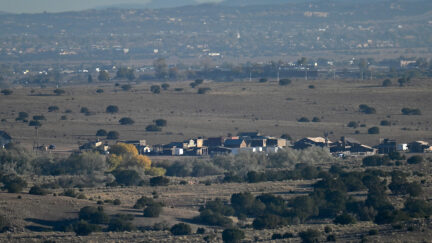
(228, 108)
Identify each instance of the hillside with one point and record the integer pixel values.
(221, 32)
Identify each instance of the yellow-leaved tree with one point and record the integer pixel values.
(123, 149)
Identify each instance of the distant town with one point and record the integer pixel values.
(254, 142)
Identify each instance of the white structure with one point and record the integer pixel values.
(402, 147)
(178, 151)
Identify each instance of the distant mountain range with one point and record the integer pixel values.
(158, 4)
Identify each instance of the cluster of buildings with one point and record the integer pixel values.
(351, 147)
(254, 142)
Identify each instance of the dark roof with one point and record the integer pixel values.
(174, 144)
(233, 142)
(4, 135)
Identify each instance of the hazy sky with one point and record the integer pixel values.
(36, 6)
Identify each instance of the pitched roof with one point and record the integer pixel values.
(318, 139)
(233, 142)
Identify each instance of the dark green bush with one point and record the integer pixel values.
(112, 135)
(387, 83)
(37, 190)
(366, 109)
(303, 119)
(4, 224)
(101, 133)
(13, 183)
(181, 229)
(284, 82)
(160, 123)
(411, 112)
(127, 177)
(204, 90)
(119, 224)
(83, 228)
(374, 130)
(385, 123)
(232, 235)
(153, 210)
(143, 202)
(159, 181)
(95, 215)
(416, 159)
(112, 109)
(310, 236)
(352, 124)
(126, 121)
(344, 219)
(153, 128)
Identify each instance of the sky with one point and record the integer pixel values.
(38, 6)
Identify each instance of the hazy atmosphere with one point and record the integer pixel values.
(38, 6)
(216, 121)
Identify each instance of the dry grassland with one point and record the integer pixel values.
(228, 108)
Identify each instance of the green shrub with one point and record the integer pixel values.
(155, 89)
(331, 238)
(316, 119)
(112, 135)
(4, 224)
(83, 228)
(160, 123)
(263, 80)
(59, 92)
(159, 181)
(387, 83)
(200, 231)
(37, 190)
(232, 235)
(117, 202)
(7, 92)
(310, 236)
(13, 184)
(153, 128)
(204, 90)
(284, 82)
(127, 177)
(352, 124)
(366, 109)
(53, 108)
(101, 133)
(411, 112)
(126, 87)
(181, 229)
(374, 130)
(416, 159)
(95, 215)
(143, 202)
(209, 217)
(385, 123)
(112, 109)
(303, 119)
(373, 232)
(153, 210)
(119, 224)
(126, 121)
(344, 219)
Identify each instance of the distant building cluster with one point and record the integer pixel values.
(254, 142)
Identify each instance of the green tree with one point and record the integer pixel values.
(112, 109)
(161, 68)
(155, 89)
(165, 86)
(232, 235)
(103, 76)
(181, 229)
(126, 121)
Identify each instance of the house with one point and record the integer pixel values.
(199, 142)
(419, 147)
(145, 150)
(276, 142)
(214, 142)
(305, 143)
(350, 146)
(4, 138)
(235, 143)
(403, 147)
(258, 142)
(90, 146)
(387, 146)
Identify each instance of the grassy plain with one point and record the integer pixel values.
(228, 108)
